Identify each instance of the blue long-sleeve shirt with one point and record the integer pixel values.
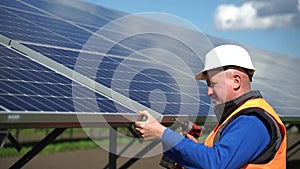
(241, 141)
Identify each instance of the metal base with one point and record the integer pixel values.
(37, 148)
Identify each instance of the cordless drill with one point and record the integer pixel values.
(188, 127)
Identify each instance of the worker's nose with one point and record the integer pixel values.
(209, 91)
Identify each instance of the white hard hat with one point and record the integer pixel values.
(226, 55)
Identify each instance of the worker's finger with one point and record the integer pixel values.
(191, 138)
(138, 124)
(139, 130)
(146, 114)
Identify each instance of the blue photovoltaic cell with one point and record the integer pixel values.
(28, 86)
(18, 5)
(47, 29)
(78, 11)
(64, 57)
(39, 29)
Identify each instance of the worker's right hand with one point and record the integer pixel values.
(149, 129)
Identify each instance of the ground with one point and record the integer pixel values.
(80, 159)
(98, 158)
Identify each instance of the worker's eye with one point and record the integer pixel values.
(212, 84)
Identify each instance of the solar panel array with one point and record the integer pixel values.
(47, 67)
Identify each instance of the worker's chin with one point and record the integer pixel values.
(216, 103)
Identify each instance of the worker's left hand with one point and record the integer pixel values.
(149, 129)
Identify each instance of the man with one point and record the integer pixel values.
(249, 133)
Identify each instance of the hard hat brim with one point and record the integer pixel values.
(201, 75)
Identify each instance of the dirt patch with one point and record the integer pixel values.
(81, 159)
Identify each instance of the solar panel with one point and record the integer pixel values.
(66, 58)
(277, 77)
(29, 88)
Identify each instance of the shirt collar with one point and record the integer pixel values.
(225, 109)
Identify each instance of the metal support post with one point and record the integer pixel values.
(140, 154)
(113, 148)
(37, 148)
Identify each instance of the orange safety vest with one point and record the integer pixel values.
(279, 160)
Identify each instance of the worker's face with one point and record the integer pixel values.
(219, 88)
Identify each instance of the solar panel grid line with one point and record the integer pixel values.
(17, 102)
(60, 19)
(14, 28)
(29, 81)
(41, 12)
(71, 6)
(114, 56)
(159, 62)
(41, 31)
(39, 45)
(162, 83)
(279, 91)
(32, 88)
(31, 94)
(48, 104)
(40, 26)
(261, 57)
(26, 11)
(17, 5)
(11, 103)
(82, 80)
(168, 85)
(154, 60)
(4, 108)
(136, 44)
(30, 72)
(92, 9)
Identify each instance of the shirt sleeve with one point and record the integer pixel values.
(241, 141)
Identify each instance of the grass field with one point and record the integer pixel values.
(70, 140)
(74, 149)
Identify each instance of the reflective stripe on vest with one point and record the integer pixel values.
(279, 160)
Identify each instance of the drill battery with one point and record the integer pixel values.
(188, 127)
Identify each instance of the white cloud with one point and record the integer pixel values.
(258, 15)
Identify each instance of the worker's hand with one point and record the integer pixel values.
(191, 138)
(149, 129)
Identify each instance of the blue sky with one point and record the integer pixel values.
(269, 25)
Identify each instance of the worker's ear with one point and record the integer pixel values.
(236, 81)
